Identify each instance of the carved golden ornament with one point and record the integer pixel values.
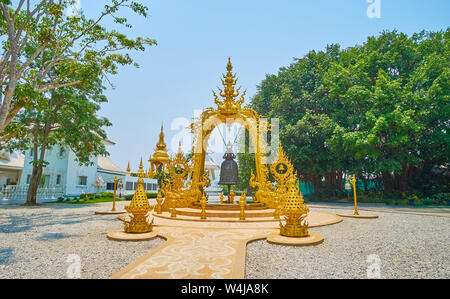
(139, 208)
(203, 203)
(295, 212)
(222, 197)
(178, 189)
(276, 214)
(229, 104)
(160, 158)
(242, 204)
(232, 196)
(187, 182)
(282, 169)
(173, 210)
(229, 110)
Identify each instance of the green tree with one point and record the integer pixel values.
(379, 111)
(41, 42)
(66, 117)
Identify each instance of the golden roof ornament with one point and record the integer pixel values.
(229, 104)
(161, 143)
(160, 157)
(139, 207)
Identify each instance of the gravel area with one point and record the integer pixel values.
(407, 245)
(37, 242)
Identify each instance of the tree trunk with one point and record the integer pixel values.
(387, 182)
(317, 182)
(38, 165)
(339, 181)
(34, 185)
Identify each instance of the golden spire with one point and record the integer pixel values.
(161, 144)
(160, 157)
(295, 212)
(229, 105)
(139, 207)
(128, 168)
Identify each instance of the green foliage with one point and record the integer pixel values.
(379, 110)
(57, 51)
(55, 86)
(442, 198)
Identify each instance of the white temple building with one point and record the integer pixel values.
(64, 176)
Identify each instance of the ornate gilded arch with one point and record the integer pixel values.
(229, 111)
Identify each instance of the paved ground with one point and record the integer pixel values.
(408, 243)
(411, 243)
(37, 242)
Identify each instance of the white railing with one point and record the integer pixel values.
(20, 193)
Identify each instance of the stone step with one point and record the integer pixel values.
(195, 212)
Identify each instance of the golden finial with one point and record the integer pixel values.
(229, 105)
(141, 171)
(128, 168)
(161, 144)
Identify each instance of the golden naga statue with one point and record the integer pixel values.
(139, 207)
(178, 188)
(295, 211)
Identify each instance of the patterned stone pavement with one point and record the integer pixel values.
(205, 250)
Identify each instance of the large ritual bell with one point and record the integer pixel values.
(229, 171)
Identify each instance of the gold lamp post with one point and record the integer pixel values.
(353, 182)
(116, 180)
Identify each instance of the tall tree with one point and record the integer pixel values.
(74, 42)
(66, 117)
(379, 111)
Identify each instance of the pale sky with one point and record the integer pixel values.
(196, 37)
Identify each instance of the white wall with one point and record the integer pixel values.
(57, 166)
(134, 180)
(74, 171)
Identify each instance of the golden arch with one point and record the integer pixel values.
(229, 111)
